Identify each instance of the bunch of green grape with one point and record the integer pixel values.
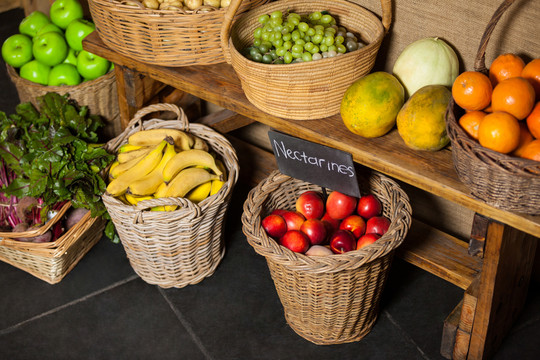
(295, 38)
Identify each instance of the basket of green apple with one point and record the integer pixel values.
(47, 56)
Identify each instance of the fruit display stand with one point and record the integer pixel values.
(52, 261)
(327, 299)
(181, 247)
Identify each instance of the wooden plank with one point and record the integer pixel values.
(505, 276)
(440, 254)
(450, 328)
(430, 171)
(225, 121)
(466, 319)
(477, 240)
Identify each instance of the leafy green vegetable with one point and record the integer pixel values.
(55, 155)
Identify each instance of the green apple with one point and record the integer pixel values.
(36, 72)
(62, 12)
(91, 66)
(48, 28)
(76, 31)
(17, 50)
(71, 57)
(64, 74)
(50, 48)
(33, 22)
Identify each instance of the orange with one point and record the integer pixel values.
(499, 131)
(531, 72)
(525, 137)
(515, 96)
(470, 122)
(489, 109)
(472, 90)
(533, 121)
(505, 66)
(532, 150)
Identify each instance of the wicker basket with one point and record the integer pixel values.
(327, 299)
(306, 90)
(181, 247)
(162, 37)
(52, 261)
(100, 95)
(503, 181)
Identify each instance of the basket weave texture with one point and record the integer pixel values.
(181, 247)
(52, 261)
(327, 299)
(162, 37)
(100, 95)
(306, 90)
(503, 181)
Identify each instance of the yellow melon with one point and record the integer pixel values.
(370, 105)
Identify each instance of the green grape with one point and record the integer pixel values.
(294, 20)
(339, 40)
(276, 14)
(257, 57)
(287, 44)
(323, 48)
(295, 35)
(317, 38)
(257, 42)
(306, 56)
(328, 40)
(332, 48)
(276, 22)
(319, 29)
(263, 48)
(316, 15)
(316, 56)
(296, 48)
(307, 38)
(278, 61)
(271, 37)
(303, 26)
(326, 19)
(330, 30)
(297, 55)
(300, 42)
(273, 54)
(277, 35)
(341, 49)
(308, 46)
(257, 33)
(277, 43)
(263, 19)
(315, 49)
(287, 37)
(310, 31)
(287, 58)
(267, 59)
(265, 36)
(254, 51)
(280, 51)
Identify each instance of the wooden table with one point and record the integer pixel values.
(495, 283)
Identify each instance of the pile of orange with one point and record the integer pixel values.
(502, 109)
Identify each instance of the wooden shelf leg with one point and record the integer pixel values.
(504, 280)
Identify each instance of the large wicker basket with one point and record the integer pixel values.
(503, 181)
(335, 298)
(100, 95)
(162, 37)
(52, 261)
(306, 90)
(181, 247)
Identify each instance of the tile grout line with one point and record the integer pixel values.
(404, 334)
(66, 305)
(186, 325)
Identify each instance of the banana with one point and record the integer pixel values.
(161, 190)
(188, 179)
(155, 136)
(119, 185)
(130, 155)
(221, 166)
(128, 147)
(111, 169)
(185, 159)
(133, 200)
(121, 168)
(200, 193)
(148, 184)
(216, 186)
(200, 144)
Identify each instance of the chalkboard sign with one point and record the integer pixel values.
(314, 163)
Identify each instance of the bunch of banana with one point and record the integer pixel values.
(165, 163)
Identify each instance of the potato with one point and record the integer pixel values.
(225, 3)
(214, 3)
(193, 4)
(151, 4)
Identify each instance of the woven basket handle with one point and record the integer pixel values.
(480, 60)
(180, 116)
(386, 6)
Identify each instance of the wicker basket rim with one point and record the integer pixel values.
(352, 259)
(124, 7)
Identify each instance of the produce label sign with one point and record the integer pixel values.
(314, 163)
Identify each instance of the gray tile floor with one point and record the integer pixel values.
(103, 310)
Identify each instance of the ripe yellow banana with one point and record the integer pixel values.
(133, 200)
(111, 168)
(128, 147)
(221, 166)
(130, 155)
(216, 186)
(123, 167)
(200, 144)
(149, 183)
(200, 193)
(185, 159)
(188, 179)
(155, 136)
(119, 185)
